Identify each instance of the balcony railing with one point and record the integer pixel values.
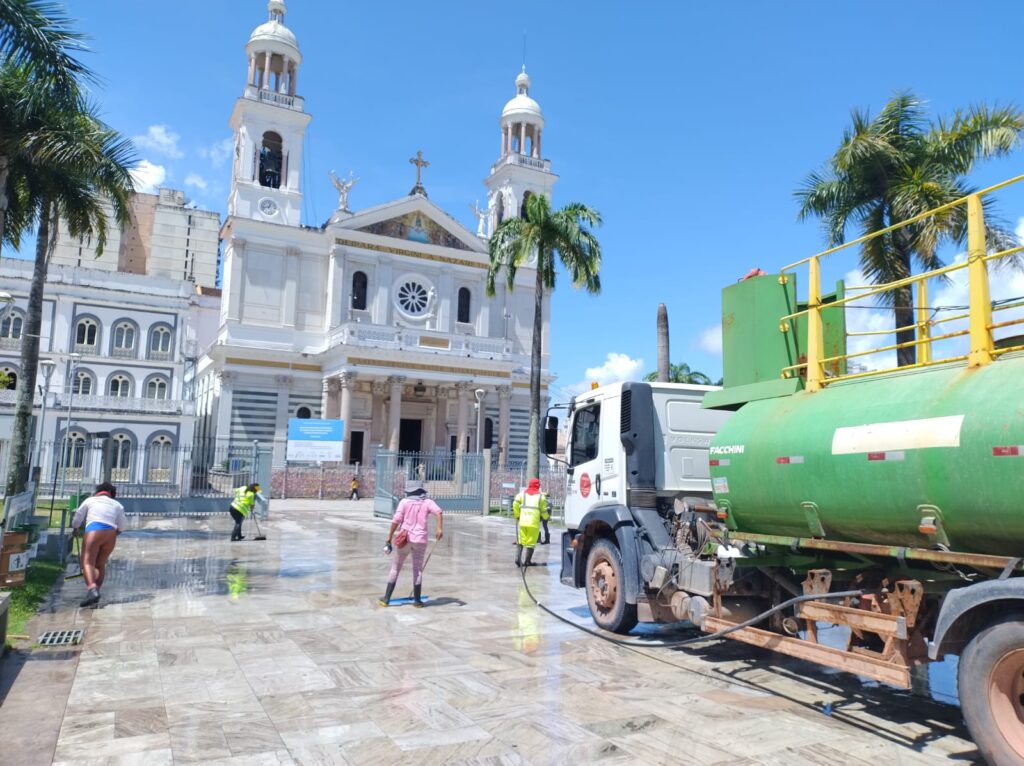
(87, 349)
(124, 353)
(424, 341)
(129, 404)
(273, 97)
(161, 356)
(512, 158)
(10, 343)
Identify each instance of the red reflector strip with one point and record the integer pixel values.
(790, 460)
(890, 456)
(720, 461)
(1010, 451)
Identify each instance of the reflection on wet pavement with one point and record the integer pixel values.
(207, 651)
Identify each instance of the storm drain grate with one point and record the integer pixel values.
(61, 637)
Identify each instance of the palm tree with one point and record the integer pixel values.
(36, 48)
(69, 179)
(681, 373)
(548, 236)
(895, 166)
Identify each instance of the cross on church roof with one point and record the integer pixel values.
(420, 163)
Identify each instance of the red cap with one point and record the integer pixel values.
(533, 487)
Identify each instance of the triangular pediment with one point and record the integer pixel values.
(414, 219)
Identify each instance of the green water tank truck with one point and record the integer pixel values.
(715, 505)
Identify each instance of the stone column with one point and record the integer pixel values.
(284, 384)
(536, 142)
(235, 279)
(504, 136)
(380, 390)
(346, 379)
(290, 308)
(504, 394)
(441, 419)
(463, 422)
(284, 75)
(522, 138)
(325, 397)
(225, 387)
(266, 71)
(395, 411)
(252, 70)
(294, 80)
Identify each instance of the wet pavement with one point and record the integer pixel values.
(275, 652)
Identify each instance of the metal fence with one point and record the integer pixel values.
(456, 482)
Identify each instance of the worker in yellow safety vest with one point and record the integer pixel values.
(529, 507)
(241, 506)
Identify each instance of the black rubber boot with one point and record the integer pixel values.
(547, 533)
(519, 555)
(529, 558)
(387, 595)
(416, 591)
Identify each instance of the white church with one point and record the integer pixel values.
(379, 317)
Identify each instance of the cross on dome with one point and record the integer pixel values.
(420, 163)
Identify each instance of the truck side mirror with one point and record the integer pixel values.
(551, 435)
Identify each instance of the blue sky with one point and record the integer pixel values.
(687, 125)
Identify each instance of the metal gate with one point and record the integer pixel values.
(457, 483)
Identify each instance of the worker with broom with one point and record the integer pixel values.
(411, 520)
(241, 506)
(530, 507)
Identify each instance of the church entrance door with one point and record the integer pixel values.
(410, 436)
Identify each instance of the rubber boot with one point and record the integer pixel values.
(529, 558)
(387, 595)
(519, 555)
(547, 533)
(416, 591)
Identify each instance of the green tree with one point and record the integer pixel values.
(899, 164)
(37, 47)
(549, 236)
(681, 373)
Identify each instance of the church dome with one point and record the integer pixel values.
(522, 107)
(274, 31)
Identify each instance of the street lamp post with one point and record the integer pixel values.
(46, 366)
(480, 394)
(65, 444)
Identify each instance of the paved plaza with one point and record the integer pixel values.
(275, 652)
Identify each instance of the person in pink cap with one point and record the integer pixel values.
(530, 507)
(411, 517)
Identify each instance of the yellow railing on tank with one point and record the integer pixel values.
(981, 350)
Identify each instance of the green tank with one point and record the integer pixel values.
(917, 458)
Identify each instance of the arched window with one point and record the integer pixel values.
(271, 154)
(464, 298)
(124, 339)
(73, 457)
(87, 333)
(120, 385)
(121, 453)
(303, 413)
(156, 388)
(359, 291)
(522, 210)
(11, 375)
(82, 384)
(161, 459)
(160, 342)
(12, 326)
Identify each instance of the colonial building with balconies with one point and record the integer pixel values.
(379, 317)
(123, 349)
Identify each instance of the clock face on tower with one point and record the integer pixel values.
(268, 206)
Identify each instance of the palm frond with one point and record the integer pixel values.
(38, 34)
(977, 133)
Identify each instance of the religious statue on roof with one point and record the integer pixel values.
(343, 187)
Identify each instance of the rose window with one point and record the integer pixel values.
(413, 298)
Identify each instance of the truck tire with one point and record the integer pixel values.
(606, 592)
(990, 683)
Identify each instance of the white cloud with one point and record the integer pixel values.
(162, 140)
(616, 368)
(148, 177)
(1020, 230)
(710, 340)
(218, 153)
(196, 180)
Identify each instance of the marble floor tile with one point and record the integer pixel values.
(302, 667)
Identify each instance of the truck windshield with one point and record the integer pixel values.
(585, 430)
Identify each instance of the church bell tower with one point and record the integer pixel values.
(521, 169)
(269, 124)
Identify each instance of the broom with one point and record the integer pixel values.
(77, 543)
(259, 532)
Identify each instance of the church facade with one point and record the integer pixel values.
(378, 318)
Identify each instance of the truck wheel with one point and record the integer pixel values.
(990, 683)
(606, 593)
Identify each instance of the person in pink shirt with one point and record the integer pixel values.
(411, 517)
